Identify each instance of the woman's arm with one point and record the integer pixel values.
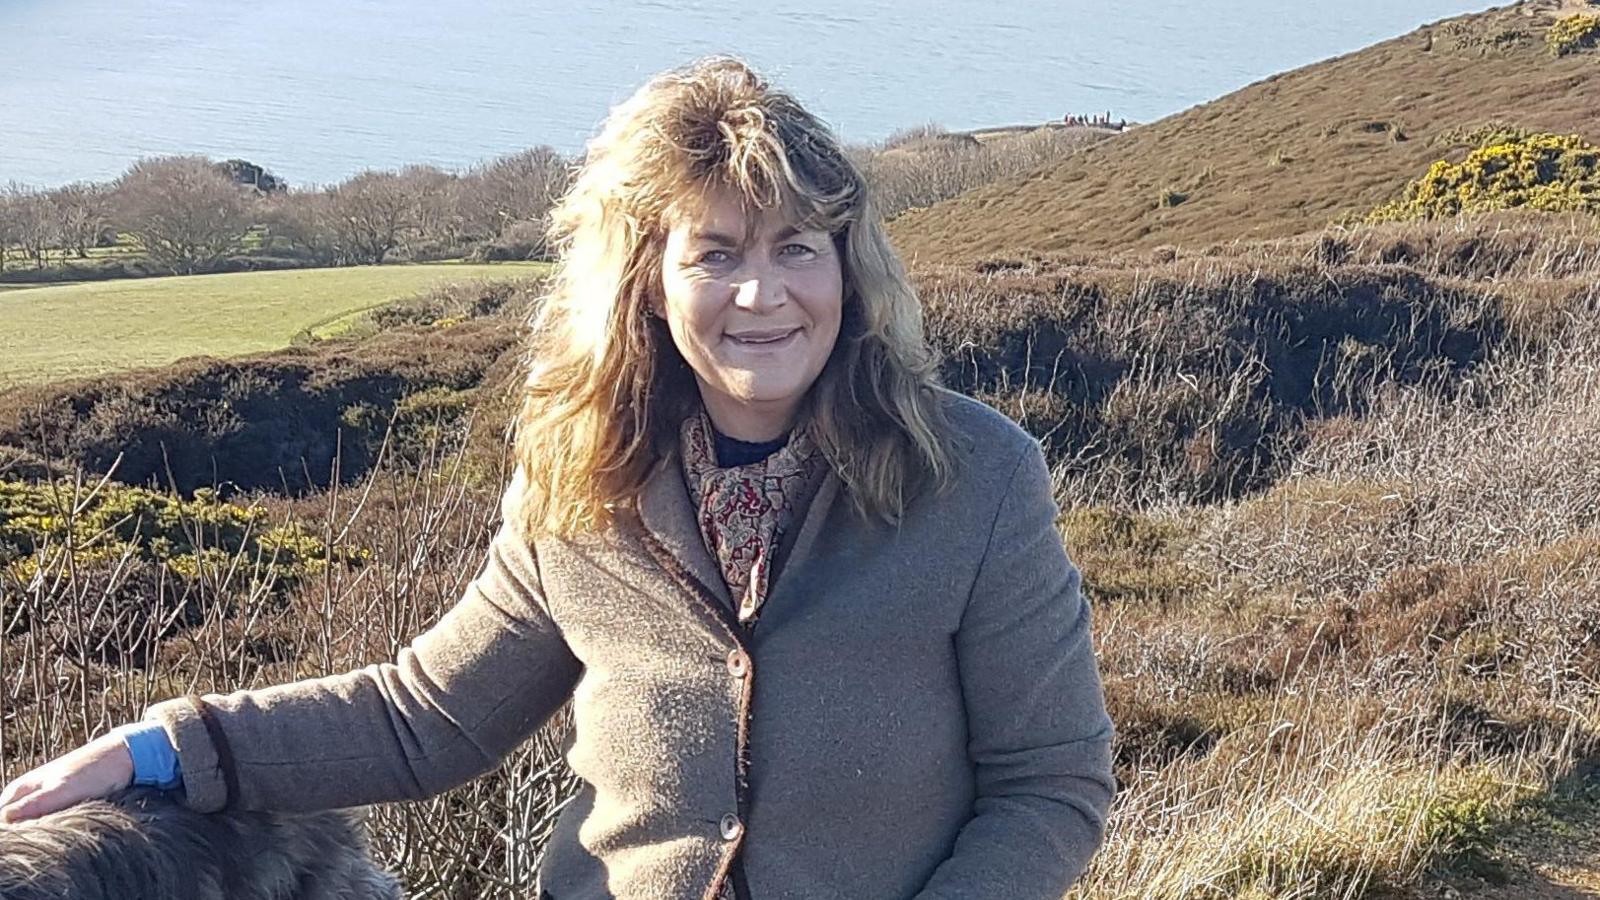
(1040, 739)
(461, 697)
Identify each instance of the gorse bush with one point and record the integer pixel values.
(117, 522)
(1573, 33)
(1483, 135)
(1548, 172)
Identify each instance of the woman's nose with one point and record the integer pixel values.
(760, 290)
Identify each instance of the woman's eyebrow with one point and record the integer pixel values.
(710, 236)
(713, 237)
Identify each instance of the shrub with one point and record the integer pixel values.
(1493, 132)
(1553, 173)
(1193, 379)
(191, 539)
(1126, 555)
(521, 240)
(1573, 33)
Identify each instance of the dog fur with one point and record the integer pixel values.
(142, 845)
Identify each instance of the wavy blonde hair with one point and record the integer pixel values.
(608, 390)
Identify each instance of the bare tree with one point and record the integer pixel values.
(33, 221)
(187, 214)
(305, 219)
(435, 218)
(82, 210)
(521, 187)
(8, 229)
(370, 214)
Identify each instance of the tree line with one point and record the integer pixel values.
(190, 214)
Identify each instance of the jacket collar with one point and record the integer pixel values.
(667, 512)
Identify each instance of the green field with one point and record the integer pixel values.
(63, 331)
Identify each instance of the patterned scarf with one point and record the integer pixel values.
(744, 511)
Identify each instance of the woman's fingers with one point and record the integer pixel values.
(96, 769)
(14, 792)
(19, 797)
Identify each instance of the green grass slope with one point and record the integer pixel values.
(97, 327)
(1285, 155)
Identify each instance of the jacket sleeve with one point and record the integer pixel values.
(456, 701)
(1039, 736)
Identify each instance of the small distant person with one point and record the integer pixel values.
(812, 610)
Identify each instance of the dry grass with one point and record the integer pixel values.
(1387, 654)
(923, 166)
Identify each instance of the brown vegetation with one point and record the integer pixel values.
(1286, 155)
(1369, 649)
(920, 167)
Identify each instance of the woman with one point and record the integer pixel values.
(820, 634)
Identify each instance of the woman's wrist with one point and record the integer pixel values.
(152, 758)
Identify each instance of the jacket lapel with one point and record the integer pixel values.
(667, 513)
(816, 512)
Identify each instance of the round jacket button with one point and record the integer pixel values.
(731, 827)
(738, 663)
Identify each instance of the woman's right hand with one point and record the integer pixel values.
(97, 769)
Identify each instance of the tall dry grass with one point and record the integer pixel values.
(1353, 678)
(84, 647)
(1331, 685)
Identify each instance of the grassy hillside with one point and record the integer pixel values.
(1285, 155)
(92, 328)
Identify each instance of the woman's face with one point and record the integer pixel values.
(753, 304)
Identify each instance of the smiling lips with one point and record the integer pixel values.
(763, 338)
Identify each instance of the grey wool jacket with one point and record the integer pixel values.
(916, 714)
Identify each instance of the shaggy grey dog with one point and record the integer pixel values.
(142, 845)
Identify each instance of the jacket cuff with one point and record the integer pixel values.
(204, 787)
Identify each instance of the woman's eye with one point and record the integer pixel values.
(713, 258)
(798, 250)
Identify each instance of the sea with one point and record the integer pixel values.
(318, 91)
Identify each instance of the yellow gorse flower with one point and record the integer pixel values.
(1573, 33)
(1549, 172)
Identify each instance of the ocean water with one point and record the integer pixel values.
(316, 91)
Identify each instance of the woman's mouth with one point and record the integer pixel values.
(764, 340)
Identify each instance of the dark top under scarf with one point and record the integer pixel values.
(734, 452)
